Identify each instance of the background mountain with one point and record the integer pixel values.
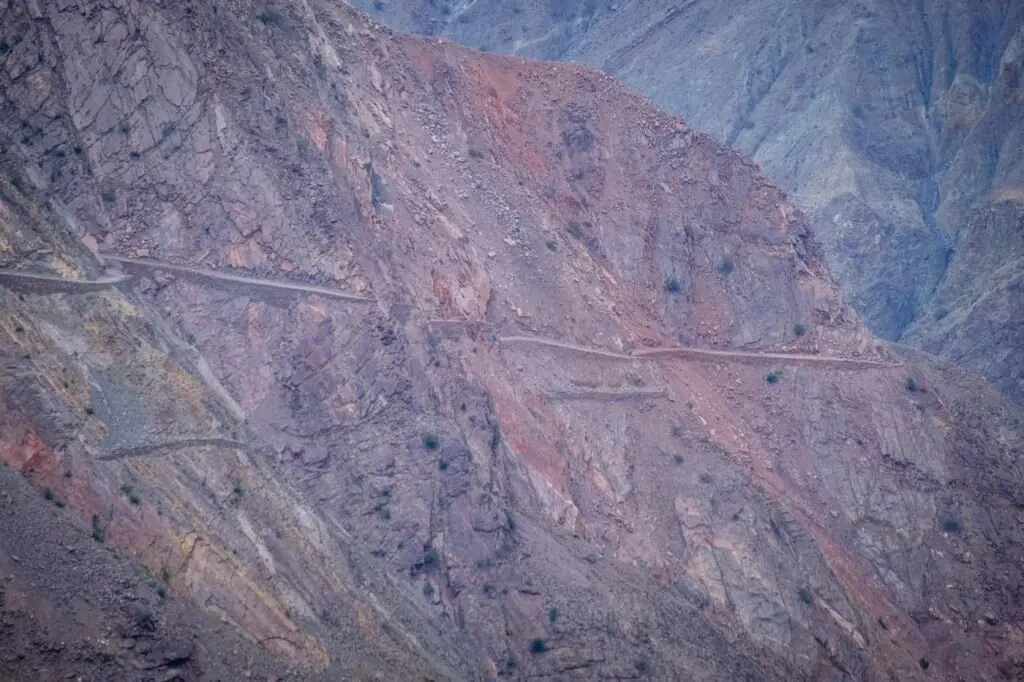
(328, 352)
(898, 127)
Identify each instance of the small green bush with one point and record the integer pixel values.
(707, 479)
(805, 595)
(772, 378)
(912, 385)
(270, 17)
(161, 591)
(537, 646)
(442, 464)
(495, 438)
(430, 441)
(239, 490)
(673, 286)
(952, 525)
(476, 153)
(48, 494)
(726, 265)
(799, 329)
(430, 557)
(428, 590)
(552, 246)
(97, 532)
(575, 229)
(552, 614)
(679, 459)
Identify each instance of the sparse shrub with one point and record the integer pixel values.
(642, 666)
(476, 153)
(125, 128)
(552, 246)
(772, 378)
(302, 144)
(923, 663)
(430, 441)
(270, 17)
(48, 494)
(912, 385)
(97, 532)
(673, 286)
(161, 591)
(882, 623)
(575, 229)
(442, 464)
(495, 438)
(678, 459)
(707, 479)
(428, 590)
(239, 490)
(537, 646)
(135, 499)
(951, 524)
(135, 156)
(430, 557)
(552, 615)
(726, 265)
(19, 329)
(799, 329)
(805, 595)
(108, 196)
(89, 411)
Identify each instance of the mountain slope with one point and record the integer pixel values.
(388, 407)
(895, 126)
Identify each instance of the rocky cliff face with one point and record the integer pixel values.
(896, 127)
(385, 357)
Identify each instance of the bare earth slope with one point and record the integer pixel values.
(896, 126)
(318, 423)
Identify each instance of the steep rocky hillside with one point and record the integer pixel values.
(896, 126)
(386, 358)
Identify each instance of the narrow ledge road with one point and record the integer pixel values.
(686, 351)
(188, 270)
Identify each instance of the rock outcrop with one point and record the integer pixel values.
(399, 400)
(895, 126)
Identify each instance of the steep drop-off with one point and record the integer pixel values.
(896, 126)
(392, 358)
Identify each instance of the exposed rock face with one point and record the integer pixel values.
(403, 402)
(896, 126)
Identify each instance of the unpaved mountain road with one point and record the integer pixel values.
(685, 351)
(47, 283)
(145, 264)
